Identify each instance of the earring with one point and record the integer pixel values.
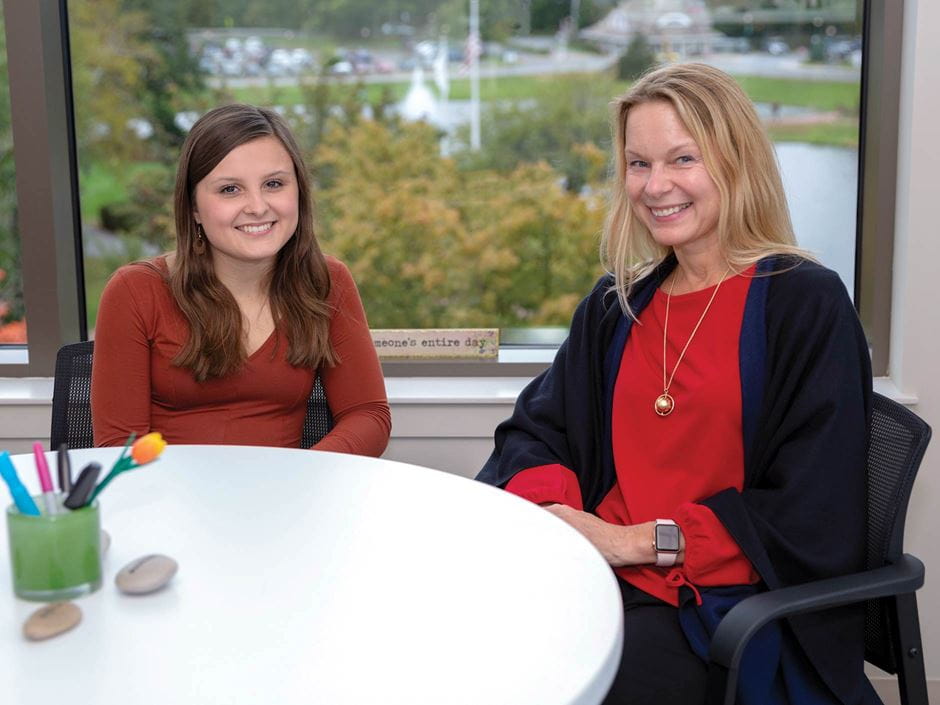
(199, 246)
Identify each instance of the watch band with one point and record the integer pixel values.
(666, 542)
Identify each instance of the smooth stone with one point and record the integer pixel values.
(146, 574)
(52, 620)
(105, 542)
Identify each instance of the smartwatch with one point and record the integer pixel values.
(666, 542)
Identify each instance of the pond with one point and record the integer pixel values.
(822, 189)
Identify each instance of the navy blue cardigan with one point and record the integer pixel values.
(806, 397)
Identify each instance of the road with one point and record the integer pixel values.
(563, 62)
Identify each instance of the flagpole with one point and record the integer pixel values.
(475, 47)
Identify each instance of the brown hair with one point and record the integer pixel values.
(753, 221)
(299, 281)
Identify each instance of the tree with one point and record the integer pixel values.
(565, 114)
(547, 15)
(12, 311)
(108, 59)
(431, 245)
(173, 83)
(636, 60)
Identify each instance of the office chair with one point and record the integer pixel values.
(71, 396)
(897, 440)
(71, 401)
(318, 421)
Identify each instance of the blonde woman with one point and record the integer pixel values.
(704, 425)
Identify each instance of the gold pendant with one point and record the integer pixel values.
(664, 404)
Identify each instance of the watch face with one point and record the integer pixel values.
(667, 538)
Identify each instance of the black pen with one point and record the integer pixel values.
(83, 486)
(64, 467)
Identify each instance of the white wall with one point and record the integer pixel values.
(915, 339)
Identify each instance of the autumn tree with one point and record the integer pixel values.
(431, 245)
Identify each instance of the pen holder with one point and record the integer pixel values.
(55, 557)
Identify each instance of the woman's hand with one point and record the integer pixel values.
(620, 545)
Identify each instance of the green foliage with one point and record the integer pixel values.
(549, 128)
(547, 15)
(636, 60)
(107, 77)
(817, 49)
(11, 283)
(173, 83)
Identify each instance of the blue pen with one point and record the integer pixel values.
(21, 498)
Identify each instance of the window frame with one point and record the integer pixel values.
(49, 220)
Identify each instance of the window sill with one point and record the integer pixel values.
(445, 390)
(14, 355)
(513, 361)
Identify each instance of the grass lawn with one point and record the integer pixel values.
(842, 133)
(824, 95)
(102, 185)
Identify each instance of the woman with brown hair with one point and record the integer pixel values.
(705, 423)
(221, 340)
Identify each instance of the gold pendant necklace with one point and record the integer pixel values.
(664, 403)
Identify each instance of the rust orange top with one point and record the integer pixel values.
(135, 386)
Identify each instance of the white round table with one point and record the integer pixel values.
(309, 577)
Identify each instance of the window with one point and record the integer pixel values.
(459, 149)
(12, 308)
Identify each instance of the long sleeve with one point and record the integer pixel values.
(712, 557)
(355, 388)
(548, 483)
(558, 420)
(120, 379)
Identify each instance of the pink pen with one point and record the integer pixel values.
(45, 479)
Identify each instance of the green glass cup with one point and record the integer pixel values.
(55, 557)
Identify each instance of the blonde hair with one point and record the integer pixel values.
(753, 221)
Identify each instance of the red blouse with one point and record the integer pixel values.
(136, 387)
(666, 464)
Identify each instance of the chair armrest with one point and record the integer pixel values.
(746, 618)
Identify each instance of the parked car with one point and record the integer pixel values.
(302, 59)
(280, 63)
(384, 66)
(340, 68)
(775, 46)
(841, 48)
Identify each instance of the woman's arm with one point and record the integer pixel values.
(120, 377)
(535, 456)
(355, 388)
(620, 545)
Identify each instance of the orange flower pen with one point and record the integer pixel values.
(147, 449)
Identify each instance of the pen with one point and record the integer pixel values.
(83, 486)
(64, 468)
(45, 479)
(24, 503)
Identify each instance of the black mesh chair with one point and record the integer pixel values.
(897, 442)
(318, 420)
(71, 401)
(71, 396)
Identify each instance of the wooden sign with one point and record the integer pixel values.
(436, 343)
